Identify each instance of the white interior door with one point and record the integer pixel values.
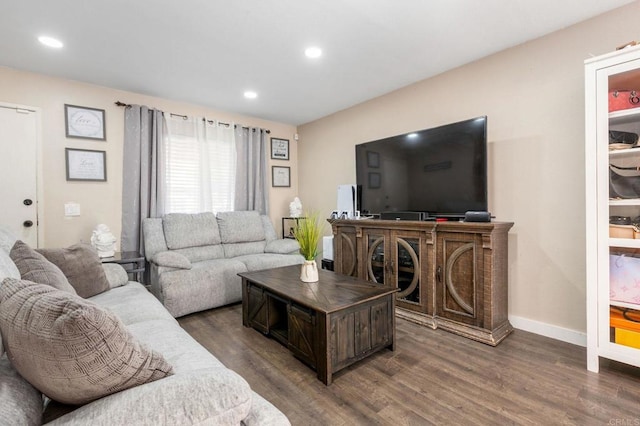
(18, 172)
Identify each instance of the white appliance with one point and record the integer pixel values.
(348, 207)
(327, 248)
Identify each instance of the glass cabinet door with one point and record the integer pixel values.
(394, 259)
(621, 296)
(408, 269)
(376, 257)
(612, 177)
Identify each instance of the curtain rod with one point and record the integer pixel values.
(122, 104)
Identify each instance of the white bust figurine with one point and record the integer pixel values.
(295, 208)
(103, 241)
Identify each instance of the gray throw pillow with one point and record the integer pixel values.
(69, 348)
(36, 268)
(82, 267)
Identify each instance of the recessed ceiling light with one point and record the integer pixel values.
(412, 135)
(313, 52)
(50, 42)
(250, 94)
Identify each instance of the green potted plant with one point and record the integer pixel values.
(308, 232)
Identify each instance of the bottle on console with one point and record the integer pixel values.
(349, 200)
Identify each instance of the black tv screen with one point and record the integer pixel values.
(440, 171)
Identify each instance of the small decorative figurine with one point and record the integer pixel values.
(103, 241)
(295, 208)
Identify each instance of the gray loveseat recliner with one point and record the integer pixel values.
(195, 258)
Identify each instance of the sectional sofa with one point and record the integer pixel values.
(194, 388)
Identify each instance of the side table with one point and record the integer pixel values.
(131, 261)
(288, 225)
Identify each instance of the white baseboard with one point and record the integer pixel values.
(564, 334)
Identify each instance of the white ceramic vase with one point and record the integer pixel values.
(309, 272)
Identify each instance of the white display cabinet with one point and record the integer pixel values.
(618, 70)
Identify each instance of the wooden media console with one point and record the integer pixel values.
(451, 275)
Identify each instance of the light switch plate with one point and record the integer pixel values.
(72, 209)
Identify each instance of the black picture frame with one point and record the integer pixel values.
(86, 165)
(84, 122)
(375, 180)
(279, 149)
(280, 177)
(373, 159)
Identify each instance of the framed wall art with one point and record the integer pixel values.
(84, 122)
(279, 149)
(280, 177)
(86, 165)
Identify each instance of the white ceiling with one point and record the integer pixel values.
(209, 52)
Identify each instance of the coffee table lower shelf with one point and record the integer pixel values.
(328, 325)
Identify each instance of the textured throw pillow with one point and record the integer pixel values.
(69, 348)
(36, 268)
(82, 267)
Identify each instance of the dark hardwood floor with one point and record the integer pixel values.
(433, 377)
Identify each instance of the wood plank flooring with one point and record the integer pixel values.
(433, 377)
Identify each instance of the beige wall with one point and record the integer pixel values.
(101, 202)
(533, 96)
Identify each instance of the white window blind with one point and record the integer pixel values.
(200, 166)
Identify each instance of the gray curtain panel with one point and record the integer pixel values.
(251, 171)
(142, 182)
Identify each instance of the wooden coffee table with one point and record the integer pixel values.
(329, 324)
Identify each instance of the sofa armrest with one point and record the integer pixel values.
(212, 396)
(171, 259)
(116, 274)
(263, 413)
(20, 403)
(282, 246)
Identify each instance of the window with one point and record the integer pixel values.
(200, 166)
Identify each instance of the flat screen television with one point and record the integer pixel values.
(440, 171)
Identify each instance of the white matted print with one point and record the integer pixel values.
(280, 176)
(86, 164)
(84, 122)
